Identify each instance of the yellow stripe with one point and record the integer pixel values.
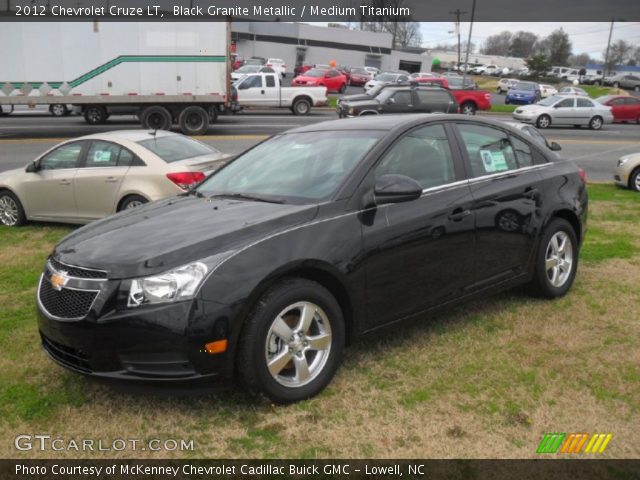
(597, 444)
(591, 442)
(606, 441)
(199, 137)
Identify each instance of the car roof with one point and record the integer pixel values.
(130, 135)
(390, 122)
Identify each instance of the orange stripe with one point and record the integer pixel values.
(578, 447)
(567, 442)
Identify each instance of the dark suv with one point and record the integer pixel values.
(401, 99)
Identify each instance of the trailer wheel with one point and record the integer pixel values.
(58, 110)
(301, 107)
(194, 120)
(95, 115)
(155, 117)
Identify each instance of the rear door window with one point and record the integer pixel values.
(102, 154)
(584, 103)
(489, 149)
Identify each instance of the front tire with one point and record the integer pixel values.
(156, 117)
(11, 211)
(468, 108)
(556, 261)
(292, 342)
(543, 121)
(634, 180)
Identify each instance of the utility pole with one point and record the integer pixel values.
(457, 13)
(466, 60)
(606, 55)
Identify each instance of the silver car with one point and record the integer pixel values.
(90, 177)
(573, 91)
(626, 81)
(565, 110)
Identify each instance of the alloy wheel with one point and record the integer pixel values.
(133, 204)
(596, 123)
(559, 259)
(298, 344)
(8, 211)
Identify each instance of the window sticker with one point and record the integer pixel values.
(493, 161)
(102, 156)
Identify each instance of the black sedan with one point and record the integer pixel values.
(309, 240)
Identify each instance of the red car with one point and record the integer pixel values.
(301, 68)
(472, 100)
(359, 76)
(443, 82)
(332, 79)
(623, 108)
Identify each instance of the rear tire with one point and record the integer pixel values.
(131, 201)
(194, 120)
(156, 117)
(301, 107)
(11, 211)
(58, 110)
(468, 108)
(595, 123)
(95, 115)
(284, 354)
(556, 261)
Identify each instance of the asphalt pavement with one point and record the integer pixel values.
(25, 136)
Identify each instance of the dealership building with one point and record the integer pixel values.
(298, 43)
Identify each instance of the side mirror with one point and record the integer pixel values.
(555, 146)
(32, 167)
(396, 188)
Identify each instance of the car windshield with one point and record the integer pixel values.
(386, 77)
(314, 73)
(173, 148)
(529, 87)
(299, 167)
(549, 101)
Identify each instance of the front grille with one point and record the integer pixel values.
(76, 271)
(70, 357)
(65, 304)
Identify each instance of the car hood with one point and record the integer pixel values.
(531, 108)
(371, 102)
(355, 98)
(172, 232)
(10, 173)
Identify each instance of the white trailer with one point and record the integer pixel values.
(165, 72)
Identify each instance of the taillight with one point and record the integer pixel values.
(583, 175)
(487, 96)
(185, 179)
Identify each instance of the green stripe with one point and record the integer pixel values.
(126, 59)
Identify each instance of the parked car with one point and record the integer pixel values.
(431, 80)
(55, 109)
(278, 66)
(305, 243)
(521, 72)
(372, 93)
(523, 93)
(547, 90)
(247, 69)
(535, 134)
(373, 70)
(398, 99)
(457, 83)
(301, 68)
(492, 70)
(572, 91)
(236, 61)
(90, 177)
(387, 79)
(332, 79)
(359, 76)
(451, 74)
(504, 84)
(255, 61)
(624, 108)
(631, 82)
(266, 90)
(565, 110)
(472, 100)
(627, 172)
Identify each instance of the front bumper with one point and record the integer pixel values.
(519, 100)
(149, 343)
(525, 117)
(621, 176)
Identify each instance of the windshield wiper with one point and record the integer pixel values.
(194, 192)
(244, 196)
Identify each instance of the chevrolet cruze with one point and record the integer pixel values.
(311, 239)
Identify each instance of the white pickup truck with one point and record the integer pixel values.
(265, 90)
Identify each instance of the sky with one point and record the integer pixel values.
(586, 37)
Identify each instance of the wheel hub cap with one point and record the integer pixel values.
(559, 259)
(8, 211)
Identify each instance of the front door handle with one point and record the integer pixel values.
(458, 214)
(262, 92)
(64, 181)
(531, 193)
(111, 179)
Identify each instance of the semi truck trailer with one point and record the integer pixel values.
(164, 72)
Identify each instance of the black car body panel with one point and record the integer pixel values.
(383, 263)
(404, 99)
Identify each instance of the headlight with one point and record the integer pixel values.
(174, 285)
(622, 161)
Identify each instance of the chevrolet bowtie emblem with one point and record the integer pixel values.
(58, 280)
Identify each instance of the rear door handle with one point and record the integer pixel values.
(458, 214)
(64, 181)
(111, 179)
(262, 92)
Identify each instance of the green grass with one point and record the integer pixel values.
(483, 379)
(332, 102)
(503, 108)
(595, 91)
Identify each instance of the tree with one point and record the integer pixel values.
(522, 44)
(558, 46)
(581, 60)
(498, 44)
(538, 64)
(620, 52)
